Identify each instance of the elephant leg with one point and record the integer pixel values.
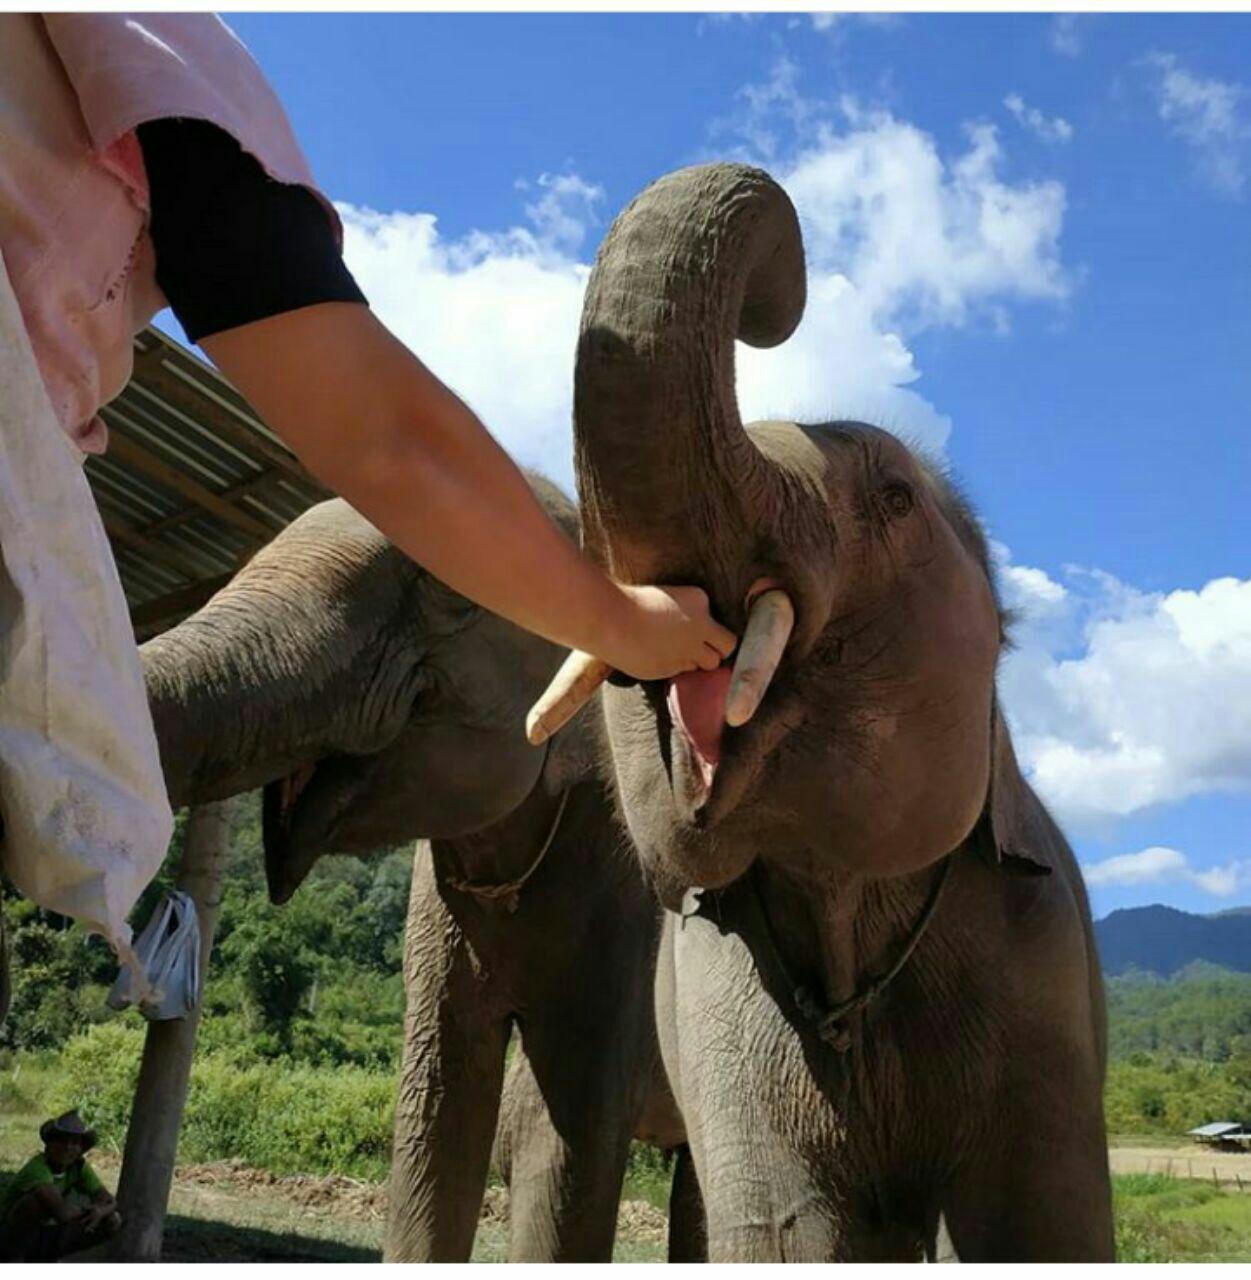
(1042, 1196)
(723, 1044)
(450, 1081)
(688, 1227)
(572, 1112)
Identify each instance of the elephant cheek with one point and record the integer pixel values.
(904, 817)
(441, 782)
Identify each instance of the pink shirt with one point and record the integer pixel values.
(73, 193)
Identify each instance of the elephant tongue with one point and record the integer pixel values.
(697, 703)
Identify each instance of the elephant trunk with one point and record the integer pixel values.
(278, 669)
(665, 469)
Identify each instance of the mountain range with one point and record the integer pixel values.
(1162, 940)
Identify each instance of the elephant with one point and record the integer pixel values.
(878, 997)
(375, 706)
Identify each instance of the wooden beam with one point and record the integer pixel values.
(236, 491)
(168, 1051)
(127, 450)
(128, 535)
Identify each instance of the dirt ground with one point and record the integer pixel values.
(1192, 1161)
(226, 1211)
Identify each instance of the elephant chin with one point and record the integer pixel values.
(301, 816)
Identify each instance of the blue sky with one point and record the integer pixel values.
(1030, 249)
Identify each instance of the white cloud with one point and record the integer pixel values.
(924, 240)
(1224, 882)
(1065, 35)
(1148, 867)
(1033, 592)
(564, 209)
(1054, 130)
(840, 21)
(1121, 699)
(494, 315)
(1205, 114)
(1159, 865)
(839, 363)
(899, 238)
(711, 21)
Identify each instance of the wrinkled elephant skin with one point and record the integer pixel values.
(802, 843)
(376, 706)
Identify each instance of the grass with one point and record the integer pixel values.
(231, 1224)
(1163, 1219)
(1158, 1218)
(649, 1175)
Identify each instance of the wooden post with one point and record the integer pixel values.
(1169, 1167)
(1215, 1182)
(161, 1094)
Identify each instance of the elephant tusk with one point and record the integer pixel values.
(571, 688)
(764, 640)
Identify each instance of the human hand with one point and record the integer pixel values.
(664, 631)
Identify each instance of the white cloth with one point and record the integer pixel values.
(86, 817)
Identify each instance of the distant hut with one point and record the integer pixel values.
(1228, 1135)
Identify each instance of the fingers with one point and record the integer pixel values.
(710, 659)
(672, 632)
(695, 604)
(722, 642)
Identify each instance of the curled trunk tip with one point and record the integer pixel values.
(703, 256)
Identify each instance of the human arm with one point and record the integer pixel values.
(102, 1205)
(100, 1202)
(375, 425)
(253, 272)
(52, 1204)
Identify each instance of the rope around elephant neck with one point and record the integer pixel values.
(829, 1021)
(509, 891)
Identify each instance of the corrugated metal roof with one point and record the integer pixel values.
(192, 484)
(1217, 1130)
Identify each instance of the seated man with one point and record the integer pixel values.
(55, 1203)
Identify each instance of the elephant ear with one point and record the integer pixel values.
(1006, 834)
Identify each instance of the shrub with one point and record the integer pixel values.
(289, 1119)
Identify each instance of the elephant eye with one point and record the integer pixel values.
(896, 500)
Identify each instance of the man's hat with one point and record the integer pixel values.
(70, 1125)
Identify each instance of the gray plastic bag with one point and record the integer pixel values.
(168, 951)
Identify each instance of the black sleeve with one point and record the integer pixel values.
(232, 245)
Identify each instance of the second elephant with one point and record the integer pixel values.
(376, 706)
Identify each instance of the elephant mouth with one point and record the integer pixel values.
(718, 741)
(696, 702)
(713, 767)
(300, 817)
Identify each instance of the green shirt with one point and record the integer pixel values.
(80, 1177)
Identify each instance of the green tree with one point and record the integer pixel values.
(275, 969)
